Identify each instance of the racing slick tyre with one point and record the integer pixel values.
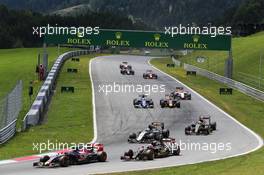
(166, 134)
(102, 156)
(45, 158)
(150, 155)
(187, 131)
(64, 161)
(207, 131)
(130, 153)
(177, 151)
(133, 136)
(213, 125)
(162, 105)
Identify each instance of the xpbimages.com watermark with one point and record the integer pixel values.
(173, 31)
(60, 30)
(130, 88)
(212, 147)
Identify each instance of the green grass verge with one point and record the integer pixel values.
(246, 56)
(244, 108)
(20, 64)
(69, 119)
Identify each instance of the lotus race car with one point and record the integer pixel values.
(157, 149)
(150, 75)
(182, 94)
(127, 71)
(141, 154)
(143, 102)
(155, 131)
(202, 126)
(170, 102)
(125, 65)
(165, 148)
(79, 155)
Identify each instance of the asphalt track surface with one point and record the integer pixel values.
(116, 118)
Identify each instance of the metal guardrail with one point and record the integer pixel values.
(8, 132)
(10, 107)
(248, 90)
(37, 109)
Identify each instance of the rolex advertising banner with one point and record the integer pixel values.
(139, 39)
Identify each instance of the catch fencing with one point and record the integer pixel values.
(248, 90)
(10, 107)
(45, 93)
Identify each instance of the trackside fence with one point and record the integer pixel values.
(46, 91)
(248, 90)
(10, 107)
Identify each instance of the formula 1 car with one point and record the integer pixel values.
(150, 75)
(143, 102)
(203, 126)
(141, 154)
(79, 155)
(170, 101)
(155, 131)
(165, 148)
(127, 71)
(125, 65)
(157, 149)
(182, 94)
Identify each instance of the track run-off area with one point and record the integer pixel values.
(115, 118)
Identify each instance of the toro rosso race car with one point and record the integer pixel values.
(157, 149)
(203, 126)
(150, 75)
(125, 65)
(170, 102)
(155, 131)
(181, 93)
(143, 102)
(127, 71)
(79, 155)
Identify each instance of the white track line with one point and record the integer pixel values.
(2, 162)
(93, 102)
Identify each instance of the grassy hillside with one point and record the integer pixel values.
(20, 64)
(246, 55)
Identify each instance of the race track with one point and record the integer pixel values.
(116, 118)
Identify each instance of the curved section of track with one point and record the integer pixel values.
(116, 118)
